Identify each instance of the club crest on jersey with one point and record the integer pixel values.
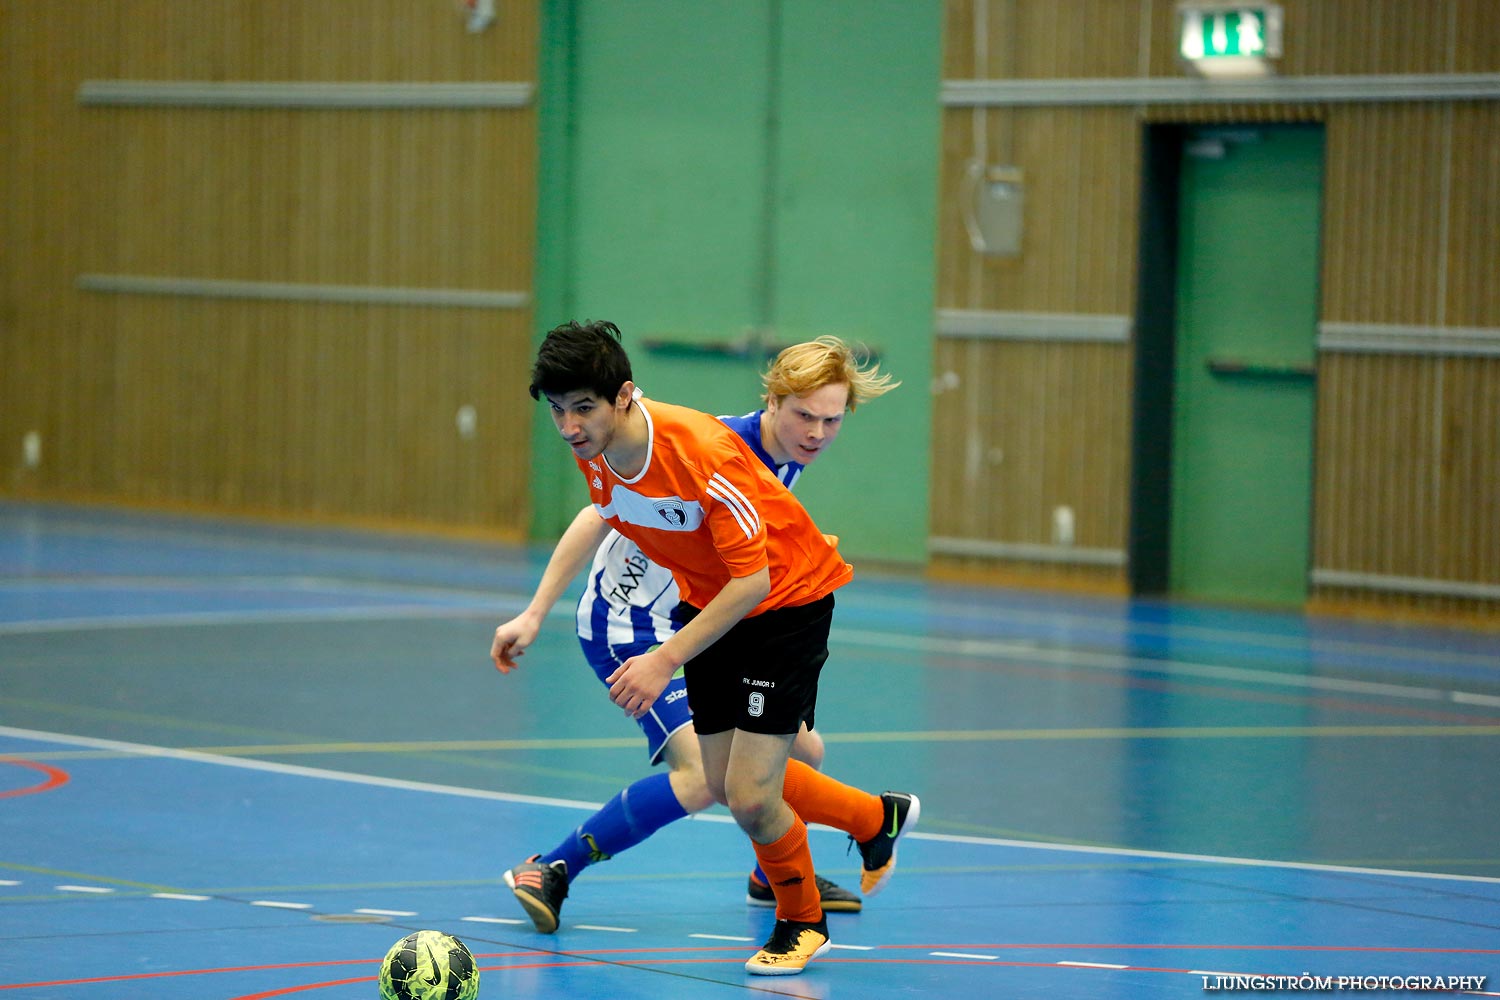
(672, 512)
(598, 483)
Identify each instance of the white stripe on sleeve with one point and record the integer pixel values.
(734, 497)
(734, 509)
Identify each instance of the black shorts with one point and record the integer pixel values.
(762, 675)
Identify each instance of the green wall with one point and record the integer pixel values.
(713, 167)
(1247, 321)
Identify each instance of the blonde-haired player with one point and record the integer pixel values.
(627, 609)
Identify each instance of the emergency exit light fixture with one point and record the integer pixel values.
(1229, 39)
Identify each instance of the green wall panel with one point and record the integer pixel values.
(752, 165)
(670, 106)
(1247, 323)
(855, 230)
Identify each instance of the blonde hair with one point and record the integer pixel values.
(808, 367)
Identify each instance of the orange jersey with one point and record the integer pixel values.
(705, 507)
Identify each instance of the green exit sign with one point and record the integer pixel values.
(1225, 37)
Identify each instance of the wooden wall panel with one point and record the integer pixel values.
(958, 277)
(315, 196)
(49, 166)
(296, 408)
(1041, 430)
(331, 40)
(1037, 425)
(1080, 168)
(1233, 113)
(334, 410)
(1471, 293)
(1406, 456)
(1405, 485)
(961, 55)
(1408, 459)
(1028, 39)
(1476, 37)
(1468, 512)
(1374, 502)
(1357, 37)
(1383, 213)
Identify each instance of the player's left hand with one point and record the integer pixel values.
(639, 681)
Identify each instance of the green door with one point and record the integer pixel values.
(1247, 308)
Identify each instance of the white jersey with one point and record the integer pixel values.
(627, 598)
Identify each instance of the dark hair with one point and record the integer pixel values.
(581, 356)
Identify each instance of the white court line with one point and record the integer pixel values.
(601, 927)
(721, 937)
(147, 750)
(277, 904)
(357, 613)
(1008, 650)
(1026, 652)
(1094, 965)
(388, 913)
(1115, 623)
(494, 920)
(962, 954)
(954, 602)
(1207, 859)
(258, 541)
(246, 582)
(82, 888)
(188, 896)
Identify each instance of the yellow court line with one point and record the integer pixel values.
(428, 746)
(60, 873)
(920, 736)
(291, 749)
(1158, 733)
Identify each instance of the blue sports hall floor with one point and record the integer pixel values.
(239, 761)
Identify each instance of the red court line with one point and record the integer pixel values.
(56, 777)
(130, 977)
(289, 990)
(580, 959)
(1041, 946)
(180, 972)
(308, 987)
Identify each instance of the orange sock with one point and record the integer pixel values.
(789, 868)
(817, 798)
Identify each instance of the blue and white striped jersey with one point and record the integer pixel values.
(627, 598)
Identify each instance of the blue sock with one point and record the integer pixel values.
(760, 876)
(626, 820)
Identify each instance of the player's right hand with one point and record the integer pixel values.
(511, 640)
(639, 681)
